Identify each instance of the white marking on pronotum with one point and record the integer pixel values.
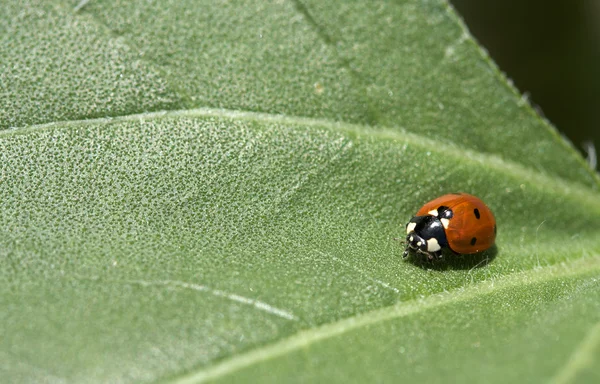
(419, 243)
(433, 245)
(410, 227)
(445, 223)
(433, 212)
(216, 292)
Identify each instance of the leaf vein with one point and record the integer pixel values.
(260, 305)
(543, 180)
(581, 358)
(303, 339)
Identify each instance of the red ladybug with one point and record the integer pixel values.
(457, 221)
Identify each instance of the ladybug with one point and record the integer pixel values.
(459, 222)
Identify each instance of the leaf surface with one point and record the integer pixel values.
(248, 229)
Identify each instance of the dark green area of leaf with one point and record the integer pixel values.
(55, 65)
(408, 65)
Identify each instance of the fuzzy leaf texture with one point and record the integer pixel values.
(201, 191)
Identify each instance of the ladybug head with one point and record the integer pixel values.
(425, 235)
(416, 242)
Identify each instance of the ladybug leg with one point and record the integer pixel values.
(405, 254)
(430, 256)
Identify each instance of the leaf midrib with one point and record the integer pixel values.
(569, 189)
(329, 39)
(580, 358)
(303, 339)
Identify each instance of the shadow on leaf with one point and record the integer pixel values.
(452, 261)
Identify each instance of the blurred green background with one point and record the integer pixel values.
(551, 51)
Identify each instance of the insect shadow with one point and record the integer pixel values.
(454, 261)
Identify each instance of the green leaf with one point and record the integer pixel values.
(57, 66)
(247, 231)
(530, 327)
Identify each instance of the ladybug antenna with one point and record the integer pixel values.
(402, 241)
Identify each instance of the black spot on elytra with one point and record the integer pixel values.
(476, 212)
(473, 241)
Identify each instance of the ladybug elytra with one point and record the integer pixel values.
(459, 222)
